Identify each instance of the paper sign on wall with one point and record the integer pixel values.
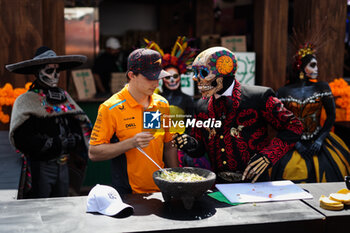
(234, 43)
(245, 67)
(84, 83)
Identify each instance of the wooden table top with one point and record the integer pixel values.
(152, 214)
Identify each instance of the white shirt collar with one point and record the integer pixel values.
(228, 92)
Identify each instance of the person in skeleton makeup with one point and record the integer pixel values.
(48, 127)
(320, 156)
(181, 105)
(239, 150)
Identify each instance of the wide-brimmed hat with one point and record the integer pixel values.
(45, 55)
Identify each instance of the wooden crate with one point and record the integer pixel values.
(118, 81)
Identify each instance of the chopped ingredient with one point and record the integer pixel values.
(181, 176)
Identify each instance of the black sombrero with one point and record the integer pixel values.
(45, 55)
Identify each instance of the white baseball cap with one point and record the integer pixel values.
(105, 200)
(113, 43)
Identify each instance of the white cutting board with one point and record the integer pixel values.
(262, 191)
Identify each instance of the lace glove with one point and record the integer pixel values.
(300, 148)
(314, 149)
(256, 166)
(308, 150)
(184, 142)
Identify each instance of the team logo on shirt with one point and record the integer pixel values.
(151, 120)
(130, 125)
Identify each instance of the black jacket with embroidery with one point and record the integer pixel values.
(245, 117)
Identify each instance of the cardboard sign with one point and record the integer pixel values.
(234, 43)
(84, 83)
(187, 83)
(208, 41)
(245, 68)
(118, 81)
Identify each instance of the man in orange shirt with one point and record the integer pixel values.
(122, 122)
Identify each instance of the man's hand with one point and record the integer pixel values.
(256, 166)
(142, 139)
(184, 142)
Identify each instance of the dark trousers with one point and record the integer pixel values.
(49, 179)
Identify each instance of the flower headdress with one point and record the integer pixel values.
(306, 40)
(181, 54)
(305, 49)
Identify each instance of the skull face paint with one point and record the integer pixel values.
(49, 75)
(210, 68)
(172, 82)
(311, 69)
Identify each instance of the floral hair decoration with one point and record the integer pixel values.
(306, 49)
(181, 54)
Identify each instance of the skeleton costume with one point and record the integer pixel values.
(181, 105)
(240, 148)
(48, 127)
(320, 155)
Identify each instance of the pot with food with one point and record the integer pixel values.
(185, 183)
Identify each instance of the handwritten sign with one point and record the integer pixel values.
(84, 83)
(234, 43)
(187, 83)
(208, 41)
(246, 68)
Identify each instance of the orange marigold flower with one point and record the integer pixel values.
(8, 96)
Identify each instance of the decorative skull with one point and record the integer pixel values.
(49, 75)
(172, 82)
(210, 68)
(311, 69)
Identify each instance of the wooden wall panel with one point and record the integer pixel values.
(26, 25)
(331, 55)
(270, 41)
(21, 33)
(204, 17)
(53, 30)
(174, 21)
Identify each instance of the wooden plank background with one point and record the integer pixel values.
(26, 25)
(270, 42)
(331, 55)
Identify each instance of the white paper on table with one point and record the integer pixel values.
(263, 191)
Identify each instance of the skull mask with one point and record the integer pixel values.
(49, 75)
(311, 69)
(172, 82)
(210, 68)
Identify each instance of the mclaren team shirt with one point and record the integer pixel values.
(122, 117)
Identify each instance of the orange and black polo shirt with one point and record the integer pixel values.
(121, 117)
